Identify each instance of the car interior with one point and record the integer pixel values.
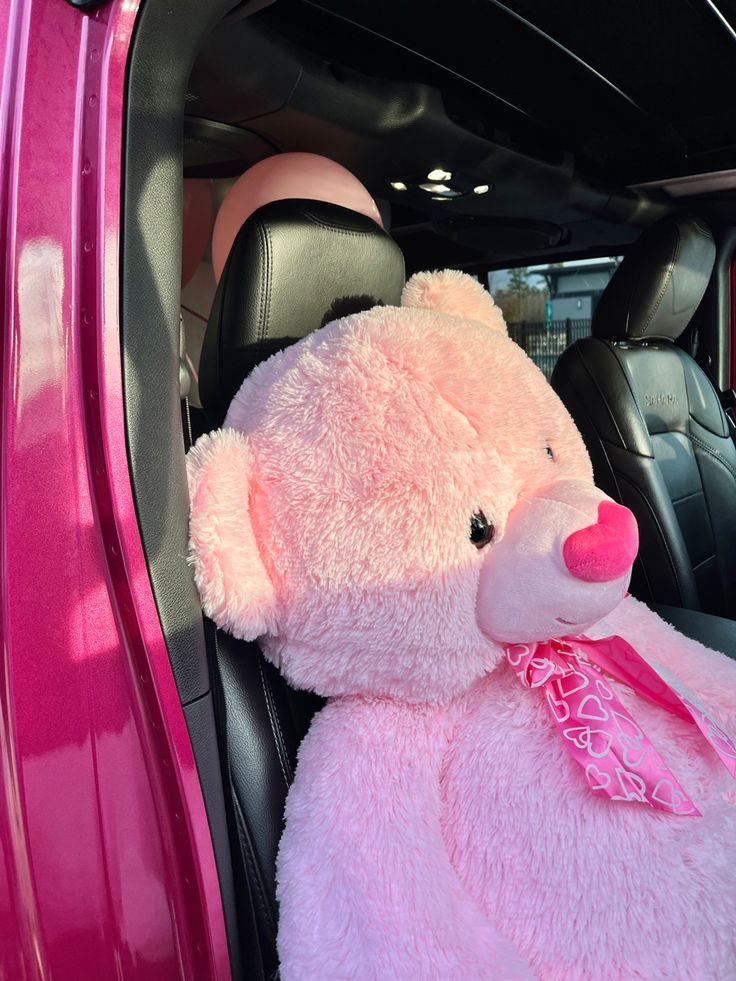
(558, 131)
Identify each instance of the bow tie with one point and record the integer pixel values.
(598, 732)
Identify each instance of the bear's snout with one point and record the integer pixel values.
(562, 564)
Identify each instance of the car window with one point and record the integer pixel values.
(548, 307)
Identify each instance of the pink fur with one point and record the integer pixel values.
(454, 293)
(584, 887)
(436, 827)
(235, 590)
(369, 442)
(366, 886)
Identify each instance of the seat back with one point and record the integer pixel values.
(294, 266)
(653, 424)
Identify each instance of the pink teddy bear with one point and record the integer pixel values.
(402, 510)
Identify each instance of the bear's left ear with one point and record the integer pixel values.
(233, 584)
(453, 292)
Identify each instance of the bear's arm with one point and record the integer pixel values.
(710, 675)
(365, 886)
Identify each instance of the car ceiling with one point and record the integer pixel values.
(560, 109)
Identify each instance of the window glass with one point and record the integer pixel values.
(548, 307)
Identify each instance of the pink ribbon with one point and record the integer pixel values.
(598, 732)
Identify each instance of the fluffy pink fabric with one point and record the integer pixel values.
(436, 827)
(367, 887)
(584, 887)
(587, 887)
(232, 582)
(455, 293)
(375, 440)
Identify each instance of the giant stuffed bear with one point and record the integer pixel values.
(520, 770)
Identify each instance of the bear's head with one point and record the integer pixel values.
(398, 495)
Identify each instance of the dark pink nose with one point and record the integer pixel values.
(604, 551)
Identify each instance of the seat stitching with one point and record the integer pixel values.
(282, 740)
(265, 293)
(247, 849)
(688, 497)
(189, 421)
(262, 298)
(277, 721)
(711, 451)
(670, 267)
(715, 456)
(655, 516)
(279, 746)
(354, 232)
(690, 378)
(710, 558)
(269, 270)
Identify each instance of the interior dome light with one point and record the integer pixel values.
(442, 189)
(438, 174)
(435, 197)
(481, 189)
(398, 185)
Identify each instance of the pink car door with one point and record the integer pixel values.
(106, 865)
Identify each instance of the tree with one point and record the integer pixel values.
(518, 298)
(519, 281)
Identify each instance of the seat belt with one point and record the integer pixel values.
(185, 384)
(726, 396)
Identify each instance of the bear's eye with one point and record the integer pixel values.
(550, 453)
(481, 530)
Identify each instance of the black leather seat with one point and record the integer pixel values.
(294, 266)
(718, 633)
(653, 423)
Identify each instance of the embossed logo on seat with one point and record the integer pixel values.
(661, 398)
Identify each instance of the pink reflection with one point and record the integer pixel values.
(39, 358)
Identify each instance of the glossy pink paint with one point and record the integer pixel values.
(106, 867)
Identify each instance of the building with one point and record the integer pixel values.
(575, 286)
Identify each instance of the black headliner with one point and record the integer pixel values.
(561, 106)
(638, 89)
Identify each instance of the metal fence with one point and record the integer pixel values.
(544, 343)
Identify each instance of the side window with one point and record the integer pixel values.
(549, 307)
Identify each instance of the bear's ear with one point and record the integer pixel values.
(233, 584)
(453, 292)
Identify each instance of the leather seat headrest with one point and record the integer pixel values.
(295, 265)
(657, 288)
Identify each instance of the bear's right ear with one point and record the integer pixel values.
(454, 292)
(233, 584)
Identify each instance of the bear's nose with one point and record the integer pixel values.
(604, 551)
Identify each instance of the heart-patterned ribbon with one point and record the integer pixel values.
(598, 731)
